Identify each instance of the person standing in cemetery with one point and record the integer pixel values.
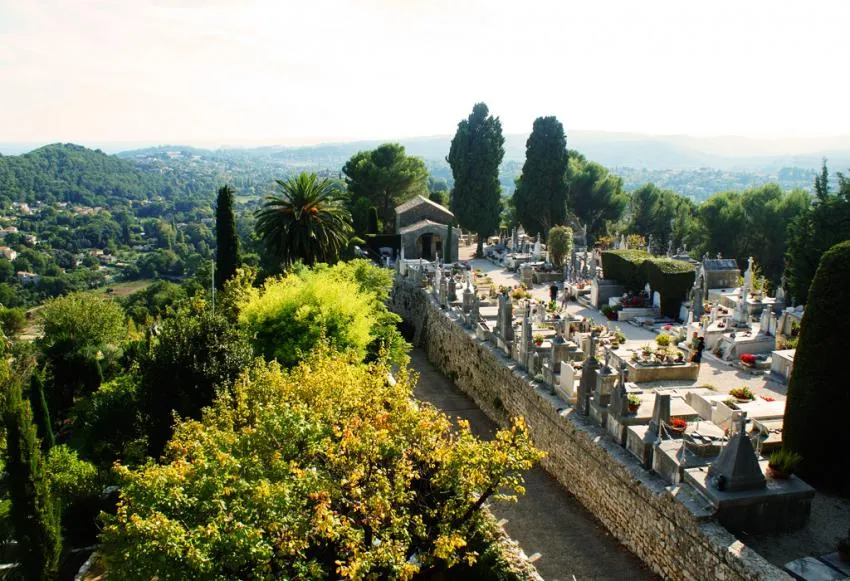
(698, 348)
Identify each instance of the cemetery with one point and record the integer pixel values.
(625, 423)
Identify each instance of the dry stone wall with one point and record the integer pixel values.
(669, 527)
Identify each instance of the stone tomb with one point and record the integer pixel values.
(641, 438)
(743, 499)
(699, 446)
(566, 386)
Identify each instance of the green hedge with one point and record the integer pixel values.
(634, 268)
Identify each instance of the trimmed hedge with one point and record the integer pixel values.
(818, 398)
(634, 268)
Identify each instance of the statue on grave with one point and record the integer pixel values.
(670, 248)
(649, 244)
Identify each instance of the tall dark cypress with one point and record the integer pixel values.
(34, 514)
(476, 151)
(227, 241)
(40, 409)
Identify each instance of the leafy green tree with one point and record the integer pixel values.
(340, 305)
(817, 395)
(594, 195)
(35, 515)
(226, 239)
(386, 177)
(326, 471)
(476, 151)
(541, 193)
(196, 354)
(305, 221)
(78, 330)
(560, 243)
(817, 228)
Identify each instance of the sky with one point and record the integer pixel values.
(291, 72)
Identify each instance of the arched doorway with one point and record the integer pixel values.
(429, 245)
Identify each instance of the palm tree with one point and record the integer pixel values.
(306, 221)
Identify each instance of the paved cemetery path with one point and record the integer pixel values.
(547, 520)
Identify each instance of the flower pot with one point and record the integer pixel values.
(633, 408)
(777, 474)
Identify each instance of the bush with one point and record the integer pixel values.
(662, 339)
(818, 399)
(341, 305)
(634, 268)
(324, 471)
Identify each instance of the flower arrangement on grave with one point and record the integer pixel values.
(782, 463)
(633, 403)
(634, 356)
(519, 294)
(742, 393)
(748, 359)
(678, 424)
(646, 349)
(538, 339)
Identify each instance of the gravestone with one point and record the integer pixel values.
(444, 292)
(641, 440)
(467, 299)
(588, 377)
(567, 386)
(452, 290)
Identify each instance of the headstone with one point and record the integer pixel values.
(737, 467)
(568, 382)
(467, 299)
(619, 404)
(588, 377)
(538, 250)
(444, 292)
(474, 314)
(452, 289)
(660, 413)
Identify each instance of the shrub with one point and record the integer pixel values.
(818, 399)
(662, 339)
(560, 243)
(324, 471)
(634, 268)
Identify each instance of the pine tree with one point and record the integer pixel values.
(34, 515)
(541, 194)
(477, 150)
(227, 241)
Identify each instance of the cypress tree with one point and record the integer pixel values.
(227, 241)
(40, 410)
(34, 515)
(818, 398)
(477, 150)
(372, 227)
(541, 193)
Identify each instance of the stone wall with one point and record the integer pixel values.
(666, 526)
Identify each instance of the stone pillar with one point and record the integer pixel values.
(452, 289)
(467, 299)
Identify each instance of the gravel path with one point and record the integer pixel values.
(547, 520)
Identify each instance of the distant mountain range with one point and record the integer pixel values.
(614, 150)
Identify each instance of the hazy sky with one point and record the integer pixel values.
(296, 71)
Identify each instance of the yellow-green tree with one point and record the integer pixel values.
(326, 471)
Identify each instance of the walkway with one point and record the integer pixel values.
(547, 520)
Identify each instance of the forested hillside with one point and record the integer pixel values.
(73, 174)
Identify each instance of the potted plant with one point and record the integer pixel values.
(782, 463)
(538, 339)
(646, 349)
(742, 394)
(634, 403)
(677, 425)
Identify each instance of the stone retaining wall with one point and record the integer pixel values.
(669, 527)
